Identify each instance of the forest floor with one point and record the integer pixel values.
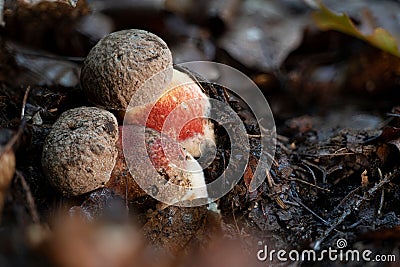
(336, 104)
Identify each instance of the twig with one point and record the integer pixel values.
(381, 202)
(291, 203)
(393, 115)
(326, 154)
(348, 196)
(311, 171)
(282, 138)
(270, 181)
(388, 178)
(54, 57)
(25, 99)
(126, 193)
(337, 154)
(382, 195)
(29, 198)
(280, 202)
(284, 148)
(310, 184)
(234, 219)
(298, 201)
(21, 127)
(322, 170)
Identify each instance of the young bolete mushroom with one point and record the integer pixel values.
(80, 152)
(167, 160)
(120, 63)
(138, 64)
(83, 152)
(180, 112)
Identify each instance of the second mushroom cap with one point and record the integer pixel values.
(79, 153)
(120, 63)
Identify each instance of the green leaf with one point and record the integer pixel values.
(380, 38)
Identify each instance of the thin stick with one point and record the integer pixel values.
(382, 195)
(234, 219)
(381, 202)
(322, 170)
(393, 115)
(298, 201)
(28, 89)
(312, 173)
(388, 178)
(54, 57)
(29, 198)
(310, 184)
(126, 193)
(21, 127)
(270, 181)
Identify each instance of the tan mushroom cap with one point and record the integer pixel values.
(120, 63)
(80, 152)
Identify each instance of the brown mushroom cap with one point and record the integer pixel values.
(80, 152)
(120, 63)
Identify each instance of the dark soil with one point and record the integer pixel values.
(335, 173)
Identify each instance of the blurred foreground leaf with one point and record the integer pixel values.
(380, 38)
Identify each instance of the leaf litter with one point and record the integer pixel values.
(335, 173)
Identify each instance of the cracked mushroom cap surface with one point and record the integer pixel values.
(120, 63)
(80, 151)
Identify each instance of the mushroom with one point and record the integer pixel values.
(121, 181)
(83, 152)
(160, 159)
(80, 151)
(120, 63)
(180, 112)
(136, 64)
(131, 72)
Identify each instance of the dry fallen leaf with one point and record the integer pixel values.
(263, 34)
(391, 135)
(75, 242)
(380, 38)
(39, 67)
(7, 170)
